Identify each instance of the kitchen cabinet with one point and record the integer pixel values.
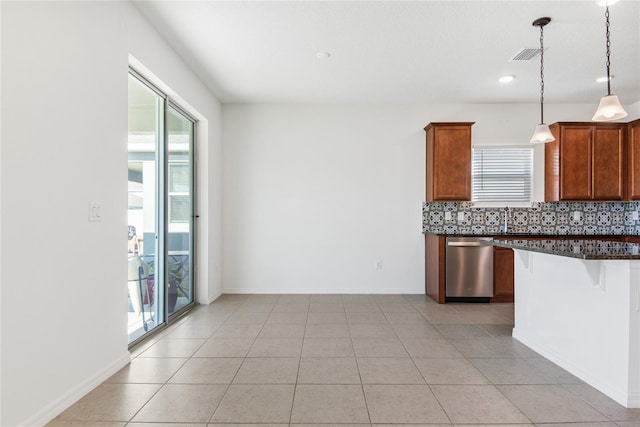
(503, 264)
(609, 162)
(633, 158)
(448, 161)
(434, 267)
(435, 270)
(502, 274)
(585, 162)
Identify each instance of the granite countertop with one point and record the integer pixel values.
(511, 235)
(582, 249)
(482, 234)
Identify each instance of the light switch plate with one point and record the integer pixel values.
(634, 215)
(447, 216)
(576, 216)
(95, 212)
(460, 216)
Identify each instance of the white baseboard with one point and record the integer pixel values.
(239, 290)
(58, 406)
(628, 400)
(209, 299)
(633, 400)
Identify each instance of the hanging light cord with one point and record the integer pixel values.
(542, 73)
(606, 15)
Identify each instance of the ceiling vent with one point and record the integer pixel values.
(526, 54)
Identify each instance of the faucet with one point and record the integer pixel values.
(506, 220)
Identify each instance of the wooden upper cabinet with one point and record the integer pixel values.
(448, 161)
(585, 162)
(575, 162)
(608, 163)
(633, 158)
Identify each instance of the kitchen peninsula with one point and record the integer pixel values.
(577, 303)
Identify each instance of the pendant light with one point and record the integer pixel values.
(609, 108)
(542, 133)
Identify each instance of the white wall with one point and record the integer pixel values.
(64, 144)
(1, 217)
(315, 196)
(150, 56)
(633, 110)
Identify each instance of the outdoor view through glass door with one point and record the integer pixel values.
(160, 215)
(180, 210)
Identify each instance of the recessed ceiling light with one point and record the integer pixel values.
(606, 2)
(506, 79)
(323, 55)
(603, 79)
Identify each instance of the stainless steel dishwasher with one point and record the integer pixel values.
(469, 268)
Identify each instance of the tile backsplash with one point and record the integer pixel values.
(562, 218)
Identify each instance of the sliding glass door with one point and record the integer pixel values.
(161, 205)
(145, 141)
(180, 131)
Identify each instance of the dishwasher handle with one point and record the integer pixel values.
(468, 244)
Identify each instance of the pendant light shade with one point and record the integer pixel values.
(542, 134)
(606, 2)
(609, 108)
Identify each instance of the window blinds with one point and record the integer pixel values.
(502, 174)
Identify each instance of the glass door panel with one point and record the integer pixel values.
(161, 205)
(180, 131)
(145, 136)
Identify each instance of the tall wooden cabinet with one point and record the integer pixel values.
(448, 161)
(585, 162)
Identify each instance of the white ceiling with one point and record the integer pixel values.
(401, 51)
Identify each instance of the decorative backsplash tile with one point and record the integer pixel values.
(562, 218)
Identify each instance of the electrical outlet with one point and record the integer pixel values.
(576, 216)
(634, 215)
(447, 216)
(379, 265)
(460, 216)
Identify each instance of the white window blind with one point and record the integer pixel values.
(179, 198)
(502, 174)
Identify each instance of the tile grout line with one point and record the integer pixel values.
(246, 356)
(590, 405)
(162, 385)
(501, 349)
(295, 386)
(423, 377)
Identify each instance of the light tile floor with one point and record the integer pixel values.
(279, 360)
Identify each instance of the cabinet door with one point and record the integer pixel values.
(434, 264)
(575, 163)
(502, 275)
(634, 160)
(608, 163)
(452, 163)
